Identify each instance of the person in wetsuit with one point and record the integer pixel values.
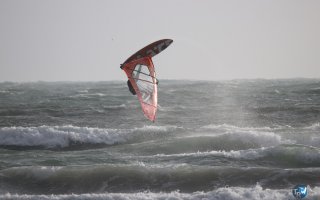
(131, 89)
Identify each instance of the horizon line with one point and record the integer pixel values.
(194, 80)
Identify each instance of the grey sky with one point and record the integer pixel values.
(77, 40)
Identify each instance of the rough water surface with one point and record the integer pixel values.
(240, 139)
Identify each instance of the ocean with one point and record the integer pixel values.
(218, 140)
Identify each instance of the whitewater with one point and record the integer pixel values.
(237, 139)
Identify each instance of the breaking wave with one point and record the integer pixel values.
(229, 127)
(281, 156)
(258, 136)
(315, 126)
(231, 193)
(57, 136)
(269, 136)
(65, 136)
(60, 179)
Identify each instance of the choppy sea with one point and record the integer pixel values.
(239, 139)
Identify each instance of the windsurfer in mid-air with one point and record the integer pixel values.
(142, 80)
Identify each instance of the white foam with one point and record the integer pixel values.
(39, 172)
(98, 94)
(228, 193)
(159, 129)
(315, 126)
(243, 154)
(264, 139)
(229, 127)
(58, 136)
(303, 153)
(263, 136)
(88, 95)
(63, 136)
(267, 136)
(83, 91)
(115, 106)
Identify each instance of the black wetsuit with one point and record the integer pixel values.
(131, 89)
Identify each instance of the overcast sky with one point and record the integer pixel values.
(77, 40)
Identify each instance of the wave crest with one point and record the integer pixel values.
(231, 193)
(58, 136)
(66, 136)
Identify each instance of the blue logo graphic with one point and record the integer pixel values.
(300, 191)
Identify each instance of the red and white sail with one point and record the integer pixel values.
(142, 76)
